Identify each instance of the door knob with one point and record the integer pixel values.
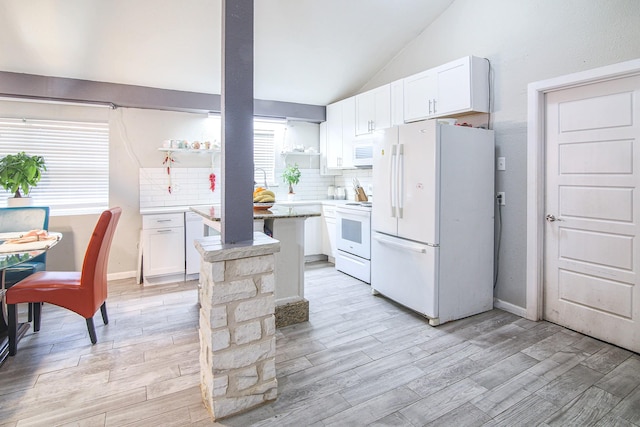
(551, 218)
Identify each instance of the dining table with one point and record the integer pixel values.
(16, 248)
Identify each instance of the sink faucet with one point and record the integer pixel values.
(264, 174)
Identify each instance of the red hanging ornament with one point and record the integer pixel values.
(212, 181)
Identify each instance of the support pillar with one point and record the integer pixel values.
(237, 324)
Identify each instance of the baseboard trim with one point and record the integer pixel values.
(121, 275)
(510, 308)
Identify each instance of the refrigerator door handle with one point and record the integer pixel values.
(400, 179)
(414, 247)
(394, 178)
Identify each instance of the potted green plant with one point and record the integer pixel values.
(19, 173)
(291, 175)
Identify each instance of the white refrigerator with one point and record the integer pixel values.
(433, 219)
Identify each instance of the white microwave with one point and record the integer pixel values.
(363, 155)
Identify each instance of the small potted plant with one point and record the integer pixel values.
(18, 174)
(291, 175)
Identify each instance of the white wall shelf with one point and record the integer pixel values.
(298, 153)
(301, 154)
(187, 150)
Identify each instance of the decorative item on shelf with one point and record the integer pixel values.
(20, 172)
(291, 175)
(168, 161)
(212, 181)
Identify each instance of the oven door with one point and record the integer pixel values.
(353, 231)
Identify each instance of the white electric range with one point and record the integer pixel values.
(353, 239)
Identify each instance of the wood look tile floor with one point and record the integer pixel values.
(360, 361)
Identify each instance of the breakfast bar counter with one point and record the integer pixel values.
(212, 213)
(285, 224)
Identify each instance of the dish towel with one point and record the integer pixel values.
(27, 241)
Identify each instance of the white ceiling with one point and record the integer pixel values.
(306, 51)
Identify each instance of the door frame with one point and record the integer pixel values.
(536, 144)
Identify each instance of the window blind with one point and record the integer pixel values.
(267, 135)
(76, 155)
(264, 135)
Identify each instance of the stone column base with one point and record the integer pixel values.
(292, 313)
(237, 324)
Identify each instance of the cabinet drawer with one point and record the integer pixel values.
(162, 221)
(329, 211)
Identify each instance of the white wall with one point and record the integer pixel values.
(526, 41)
(135, 136)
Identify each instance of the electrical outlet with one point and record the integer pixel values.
(502, 164)
(500, 197)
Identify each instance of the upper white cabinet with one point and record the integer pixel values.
(419, 93)
(340, 133)
(397, 102)
(454, 88)
(373, 110)
(324, 143)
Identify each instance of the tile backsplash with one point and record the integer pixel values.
(190, 186)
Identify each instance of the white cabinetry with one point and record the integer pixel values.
(340, 133)
(324, 164)
(313, 233)
(455, 88)
(397, 103)
(193, 229)
(373, 110)
(419, 93)
(162, 245)
(329, 231)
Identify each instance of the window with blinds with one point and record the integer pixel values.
(266, 135)
(76, 155)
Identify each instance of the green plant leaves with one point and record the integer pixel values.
(21, 172)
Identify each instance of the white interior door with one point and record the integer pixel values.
(592, 203)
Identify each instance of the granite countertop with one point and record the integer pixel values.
(186, 208)
(277, 211)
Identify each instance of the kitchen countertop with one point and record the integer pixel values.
(168, 209)
(278, 205)
(277, 211)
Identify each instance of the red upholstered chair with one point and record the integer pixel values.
(81, 292)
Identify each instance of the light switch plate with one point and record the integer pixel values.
(502, 164)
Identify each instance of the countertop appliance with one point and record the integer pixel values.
(432, 223)
(353, 239)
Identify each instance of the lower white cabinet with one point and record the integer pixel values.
(313, 234)
(329, 231)
(193, 229)
(163, 244)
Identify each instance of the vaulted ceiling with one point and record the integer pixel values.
(306, 51)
